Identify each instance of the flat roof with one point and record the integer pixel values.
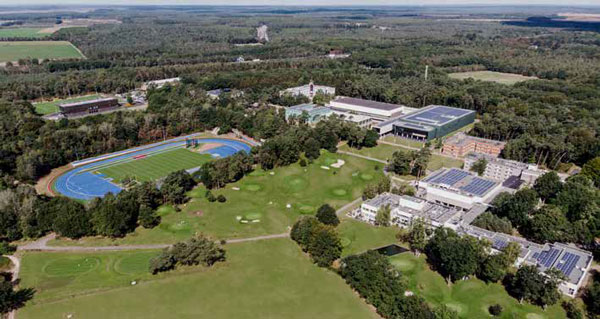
(497, 161)
(462, 180)
(461, 139)
(436, 115)
(308, 107)
(384, 199)
(87, 102)
(416, 126)
(368, 103)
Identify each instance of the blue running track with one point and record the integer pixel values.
(81, 183)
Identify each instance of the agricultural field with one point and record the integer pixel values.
(155, 166)
(470, 298)
(32, 33)
(258, 204)
(49, 107)
(53, 50)
(262, 279)
(385, 151)
(490, 76)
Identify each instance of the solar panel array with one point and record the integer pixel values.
(568, 263)
(499, 243)
(548, 257)
(478, 186)
(450, 177)
(437, 115)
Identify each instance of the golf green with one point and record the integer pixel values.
(253, 216)
(306, 209)
(135, 263)
(253, 187)
(366, 177)
(71, 266)
(339, 192)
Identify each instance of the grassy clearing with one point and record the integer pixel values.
(263, 279)
(470, 298)
(44, 108)
(156, 166)
(15, 50)
(490, 76)
(403, 141)
(358, 237)
(262, 193)
(32, 33)
(385, 151)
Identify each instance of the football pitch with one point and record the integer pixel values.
(44, 108)
(15, 50)
(155, 166)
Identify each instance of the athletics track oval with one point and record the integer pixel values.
(81, 183)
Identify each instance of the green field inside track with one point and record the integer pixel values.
(155, 166)
(262, 193)
(470, 298)
(15, 50)
(261, 279)
(32, 33)
(44, 108)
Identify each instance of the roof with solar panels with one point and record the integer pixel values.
(569, 260)
(461, 181)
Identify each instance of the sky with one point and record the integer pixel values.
(304, 2)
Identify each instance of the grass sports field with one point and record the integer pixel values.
(262, 279)
(358, 237)
(155, 166)
(32, 33)
(490, 76)
(262, 197)
(44, 108)
(15, 50)
(470, 298)
(385, 151)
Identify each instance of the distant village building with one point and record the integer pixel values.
(309, 90)
(337, 54)
(261, 34)
(462, 144)
(157, 84)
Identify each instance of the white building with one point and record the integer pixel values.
(500, 169)
(378, 111)
(459, 188)
(360, 120)
(157, 84)
(405, 209)
(309, 90)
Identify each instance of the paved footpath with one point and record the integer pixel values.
(362, 156)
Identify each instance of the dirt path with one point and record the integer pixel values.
(362, 156)
(42, 244)
(16, 268)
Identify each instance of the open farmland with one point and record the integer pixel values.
(262, 279)
(53, 50)
(490, 76)
(32, 33)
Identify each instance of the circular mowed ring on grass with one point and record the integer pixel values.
(305, 209)
(340, 192)
(296, 183)
(460, 308)
(403, 264)
(366, 177)
(71, 266)
(136, 263)
(253, 187)
(252, 216)
(345, 241)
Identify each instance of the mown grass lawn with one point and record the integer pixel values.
(358, 237)
(261, 279)
(470, 298)
(155, 166)
(263, 197)
(15, 50)
(44, 108)
(385, 152)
